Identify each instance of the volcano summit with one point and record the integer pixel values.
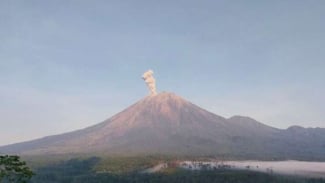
(168, 124)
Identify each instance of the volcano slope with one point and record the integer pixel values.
(167, 124)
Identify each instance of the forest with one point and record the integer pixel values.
(126, 170)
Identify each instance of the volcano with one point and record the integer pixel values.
(170, 125)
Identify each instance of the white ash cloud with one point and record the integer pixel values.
(150, 81)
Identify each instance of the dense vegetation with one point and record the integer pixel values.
(126, 170)
(120, 165)
(12, 169)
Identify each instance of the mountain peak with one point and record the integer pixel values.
(163, 96)
(165, 123)
(163, 102)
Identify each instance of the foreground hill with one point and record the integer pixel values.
(168, 124)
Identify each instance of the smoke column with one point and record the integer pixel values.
(150, 81)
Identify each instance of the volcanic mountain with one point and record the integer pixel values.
(168, 124)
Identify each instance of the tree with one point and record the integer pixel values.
(13, 170)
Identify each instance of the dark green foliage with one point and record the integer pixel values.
(86, 171)
(217, 176)
(119, 165)
(12, 169)
(66, 171)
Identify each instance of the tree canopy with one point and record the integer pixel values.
(13, 170)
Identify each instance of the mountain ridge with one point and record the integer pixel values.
(168, 124)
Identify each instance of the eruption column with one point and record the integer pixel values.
(150, 81)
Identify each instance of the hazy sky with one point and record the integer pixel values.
(65, 64)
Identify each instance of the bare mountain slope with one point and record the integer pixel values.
(167, 124)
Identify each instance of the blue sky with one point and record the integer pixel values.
(66, 64)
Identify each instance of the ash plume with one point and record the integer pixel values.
(150, 81)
